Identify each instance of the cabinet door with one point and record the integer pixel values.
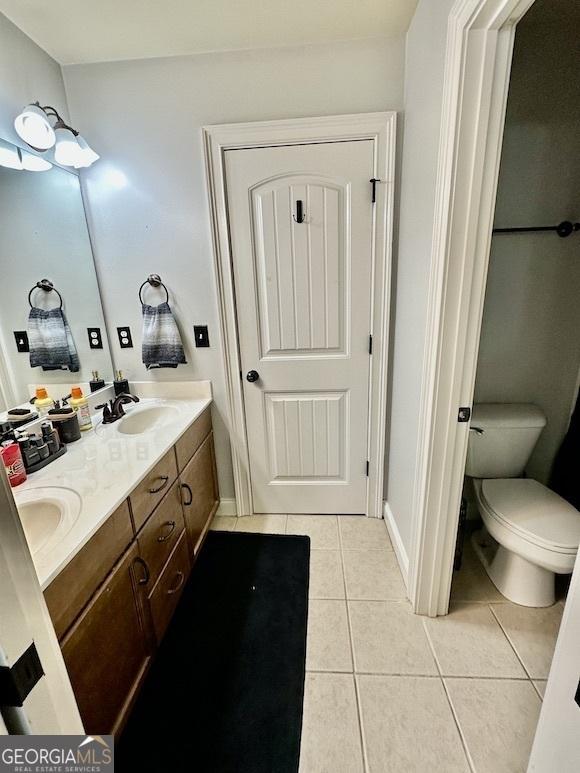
(107, 651)
(200, 496)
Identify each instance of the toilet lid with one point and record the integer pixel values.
(536, 512)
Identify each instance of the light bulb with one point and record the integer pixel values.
(33, 163)
(9, 156)
(87, 154)
(67, 151)
(33, 126)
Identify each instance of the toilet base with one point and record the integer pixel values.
(515, 578)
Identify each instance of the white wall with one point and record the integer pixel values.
(144, 118)
(530, 341)
(27, 73)
(424, 63)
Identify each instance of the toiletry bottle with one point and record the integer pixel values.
(12, 459)
(120, 384)
(96, 382)
(43, 402)
(80, 405)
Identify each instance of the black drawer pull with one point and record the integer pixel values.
(190, 492)
(180, 577)
(147, 576)
(165, 479)
(165, 537)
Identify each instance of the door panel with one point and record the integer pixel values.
(303, 294)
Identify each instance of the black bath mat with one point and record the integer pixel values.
(224, 694)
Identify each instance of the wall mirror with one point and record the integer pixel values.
(52, 328)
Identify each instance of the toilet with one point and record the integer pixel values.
(530, 533)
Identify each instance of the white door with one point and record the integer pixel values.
(50, 706)
(303, 295)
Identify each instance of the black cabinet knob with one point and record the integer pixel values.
(252, 375)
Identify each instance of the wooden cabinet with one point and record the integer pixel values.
(106, 651)
(160, 534)
(72, 589)
(147, 495)
(200, 497)
(165, 595)
(112, 604)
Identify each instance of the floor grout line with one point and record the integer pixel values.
(509, 641)
(462, 738)
(352, 655)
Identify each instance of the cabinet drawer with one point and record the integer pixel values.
(71, 590)
(161, 532)
(147, 495)
(166, 594)
(192, 438)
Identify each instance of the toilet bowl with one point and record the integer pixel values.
(530, 533)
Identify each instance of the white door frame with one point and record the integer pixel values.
(381, 129)
(477, 72)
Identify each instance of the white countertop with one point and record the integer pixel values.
(106, 465)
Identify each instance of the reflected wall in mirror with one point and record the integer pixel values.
(43, 235)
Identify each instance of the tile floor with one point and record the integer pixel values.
(387, 690)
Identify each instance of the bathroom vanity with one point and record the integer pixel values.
(112, 580)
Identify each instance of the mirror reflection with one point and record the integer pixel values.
(52, 329)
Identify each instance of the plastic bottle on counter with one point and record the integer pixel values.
(80, 405)
(12, 460)
(44, 402)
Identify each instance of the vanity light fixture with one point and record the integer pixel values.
(13, 157)
(43, 128)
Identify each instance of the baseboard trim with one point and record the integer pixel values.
(398, 546)
(227, 507)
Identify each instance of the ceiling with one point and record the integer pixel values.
(77, 31)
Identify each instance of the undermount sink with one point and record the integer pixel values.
(147, 418)
(47, 514)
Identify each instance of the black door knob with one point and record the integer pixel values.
(252, 375)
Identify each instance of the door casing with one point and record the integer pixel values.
(381, 129)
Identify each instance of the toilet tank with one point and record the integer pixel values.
(502, 437)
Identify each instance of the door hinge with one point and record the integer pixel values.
(370, 344)
(373, 181)
(464, 413)
(18, 681)
(368, 467)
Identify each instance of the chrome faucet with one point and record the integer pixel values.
(113, 410)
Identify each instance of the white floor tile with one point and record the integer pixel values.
(322, 530)
(469, 642)
(223, 523)
(360, 533)
(498, 719)
(389, 639)
(330, 726)
(262, 524)
(328, 641)
(533, 634)
(373, 575)
(326, 575)
(408, 726)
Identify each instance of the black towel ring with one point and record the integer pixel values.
(155, 281)
(47, 286)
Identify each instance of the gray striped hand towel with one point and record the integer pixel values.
(50, 340)
(162, 346)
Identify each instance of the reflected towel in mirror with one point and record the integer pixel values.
(50, 340)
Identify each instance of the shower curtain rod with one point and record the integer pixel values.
(563, 229)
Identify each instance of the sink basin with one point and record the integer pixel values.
(47, 514)
(146, 419)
